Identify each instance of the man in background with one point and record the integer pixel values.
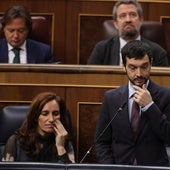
(127, 18)
(16, 47)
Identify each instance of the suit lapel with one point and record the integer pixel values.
(153, 89)
(3, 51)
(125, 112)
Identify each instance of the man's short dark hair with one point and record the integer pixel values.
(136, 49)
(17, 12)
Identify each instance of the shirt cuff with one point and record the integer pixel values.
(143, 109)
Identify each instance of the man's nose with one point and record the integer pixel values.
(138, 72)
(16, 34)
(128, 17)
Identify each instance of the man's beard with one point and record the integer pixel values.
(129, 35)
(139, 84)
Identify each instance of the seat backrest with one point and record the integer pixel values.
(11, 118)
(151, 30)
(41, 30)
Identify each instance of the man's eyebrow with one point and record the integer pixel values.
(132, 65)
(146, 63)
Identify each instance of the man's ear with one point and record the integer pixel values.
(124, 68)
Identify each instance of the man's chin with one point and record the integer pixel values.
(129, 29)
(137, 83)
(129, 34)
(16, 44)
(140, 84)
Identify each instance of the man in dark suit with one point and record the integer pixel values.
(17, 24)
(128, 17)
(144, 144)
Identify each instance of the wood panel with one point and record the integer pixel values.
(87, 112)
(74, 10)
(89, 24)
(165, 20)
(81, 86)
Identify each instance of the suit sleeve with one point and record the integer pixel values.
(49, 57)
(159, 55)
(159, 117)
(103, 143)
(97, 54)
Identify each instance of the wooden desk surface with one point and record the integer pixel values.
(78, 75)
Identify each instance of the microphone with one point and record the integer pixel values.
(93, 145)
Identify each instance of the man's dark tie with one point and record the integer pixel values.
(135, 116)
(134, 120)
(17, 55)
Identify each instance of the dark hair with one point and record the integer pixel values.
(17, 12)
(136, 49)
(27, 133)
(133, 2)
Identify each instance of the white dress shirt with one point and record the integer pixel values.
(23, 54)
(122, 44)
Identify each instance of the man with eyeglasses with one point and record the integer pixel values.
(127, 18)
